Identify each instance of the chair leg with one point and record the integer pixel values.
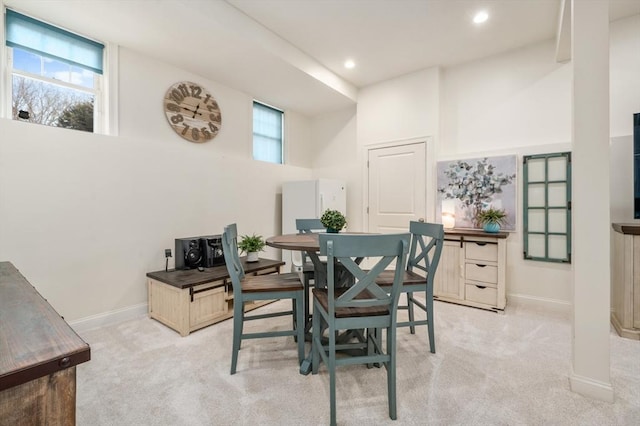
(300, 326)
(238, 322)
(412, 327)
(391, 371)
(432, 339)
(332, 377)
(316, 335)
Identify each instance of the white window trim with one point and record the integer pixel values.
(107, 108)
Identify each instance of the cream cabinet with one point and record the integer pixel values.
(472, 269)
(188, 300)
(625, 280)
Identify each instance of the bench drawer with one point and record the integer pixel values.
(480, 272)
(486, 295)
(481, 251)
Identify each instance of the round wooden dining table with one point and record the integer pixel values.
(301, 242)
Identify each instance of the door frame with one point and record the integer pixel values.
(430, 174)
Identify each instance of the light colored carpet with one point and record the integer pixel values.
(489, 369)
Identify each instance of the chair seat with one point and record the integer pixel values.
(410, 277)
(274, 282)
(322, 296)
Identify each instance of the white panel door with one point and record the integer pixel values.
(397, 187)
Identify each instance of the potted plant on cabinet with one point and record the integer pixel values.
(251, 245)
(490, 219)
(333, 220)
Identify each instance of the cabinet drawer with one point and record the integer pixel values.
(481, 251)
(207, 305)
(480, 272)
(486, 295)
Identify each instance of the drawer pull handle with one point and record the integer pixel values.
(480, 266)
(481, 244)
(482, 287)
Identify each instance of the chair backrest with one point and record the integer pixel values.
(307, 226)
(348, 249)
(231, 256)
(426, 246)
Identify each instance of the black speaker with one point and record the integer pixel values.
(188, 253)
(212, 254)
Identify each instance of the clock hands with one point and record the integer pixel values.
(194, 112)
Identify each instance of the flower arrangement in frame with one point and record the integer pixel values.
(467, 187)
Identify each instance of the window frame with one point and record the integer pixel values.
(282, 131)
(526, 233)
(105, 84)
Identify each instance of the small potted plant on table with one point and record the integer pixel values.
(251, 245)
(490, 219)
(333, 220)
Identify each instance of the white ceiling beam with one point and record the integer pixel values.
(563, 34)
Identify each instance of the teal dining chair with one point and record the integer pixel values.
(260, 287)
(362, 306)
(427, 240)
(307, 269)
(308, 226)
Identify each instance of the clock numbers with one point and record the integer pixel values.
(176, 96)
(195, 134)
(173, 107)
(196, 91)
(177, 119)
(184, 91)
(213, 128)
(206, 99)
(205, 133)
(185, 130)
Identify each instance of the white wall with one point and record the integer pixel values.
(624, 80)
(335, 154)
(518, 99)
(85, 217)
(401, 108)
(514, 103)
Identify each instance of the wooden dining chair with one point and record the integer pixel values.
(260, 287)
(427, 240)
(307, 226)
(364, 305)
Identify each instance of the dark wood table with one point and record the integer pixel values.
(310, 244)
(38, 356)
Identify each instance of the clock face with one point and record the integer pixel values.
(192, 112)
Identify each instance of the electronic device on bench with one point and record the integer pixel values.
(196, 252)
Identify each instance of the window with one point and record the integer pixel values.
(268, 123)
(55, 76)
(547, 207)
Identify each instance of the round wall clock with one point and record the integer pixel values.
(192, 112)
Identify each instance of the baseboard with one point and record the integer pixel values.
(109, 318)
(591, 388)
(551, 304)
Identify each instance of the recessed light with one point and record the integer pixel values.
(480, 17)
(349, 64)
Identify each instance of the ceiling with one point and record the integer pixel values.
(290, 53)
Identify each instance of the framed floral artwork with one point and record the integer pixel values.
(466, 187)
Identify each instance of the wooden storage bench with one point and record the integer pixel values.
(187, 300)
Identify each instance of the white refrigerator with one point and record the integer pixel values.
(308, 199)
